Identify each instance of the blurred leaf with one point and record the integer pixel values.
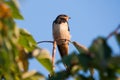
(22, 61)
(5, 11)
(43, 56)
(62, 75)
(82, 77)
(32, 75)
(114, 63)
(4, 58)
(9, 24)
(101, 49)
(70, 60)
(80, 48)
(27, 41)
(85, 61)
(118, 38)
(15, 11)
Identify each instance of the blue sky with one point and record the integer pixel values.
(89, 19)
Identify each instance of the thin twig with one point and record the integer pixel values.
(114, 32)
(45, 41)
(51, 41)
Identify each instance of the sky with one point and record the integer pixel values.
(89, 19)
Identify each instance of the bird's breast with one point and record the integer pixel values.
(60, 31)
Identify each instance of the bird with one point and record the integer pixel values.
(61, 33)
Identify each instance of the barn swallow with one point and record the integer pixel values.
(61, 33)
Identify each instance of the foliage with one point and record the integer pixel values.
(17, 46)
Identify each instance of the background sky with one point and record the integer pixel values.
(89, 19)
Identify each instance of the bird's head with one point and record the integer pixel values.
(63, 16)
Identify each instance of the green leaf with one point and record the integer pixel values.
(15, 11)
(118, 38)
(70, 59)
(27, 41)
(85, 61)
(100, 48)
(43, 56)
(114, 62)
(80, 48)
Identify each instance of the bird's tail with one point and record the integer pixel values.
(63, 49)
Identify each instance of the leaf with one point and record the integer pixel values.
(15, 11)
(100, 48)
(114, 63)
(22, 61)
(26, 41)
(43, 56)
(4, 58)
(5, 11)
(70, 60)
(118, 38)
(83, 77)
(62, 75)
(80, 48)
(32, 75)
(85, 61)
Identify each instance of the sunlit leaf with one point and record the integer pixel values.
(32, 75)
(15, 11)
(43, 56)
(22, 61)
(26, 41)
(5, 11)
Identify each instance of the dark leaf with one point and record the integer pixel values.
(114, 63)
(62, 75)
(85, 61)
(82, 77)
(118, 38)
(69, 60)
(101, 49)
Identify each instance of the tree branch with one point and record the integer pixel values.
(45, 42)
(51, 41)
(114, 32)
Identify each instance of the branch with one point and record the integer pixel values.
(53, 54)
(45, 41)
(114, 32)
(51, 41)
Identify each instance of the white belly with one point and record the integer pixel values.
(60, 31)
